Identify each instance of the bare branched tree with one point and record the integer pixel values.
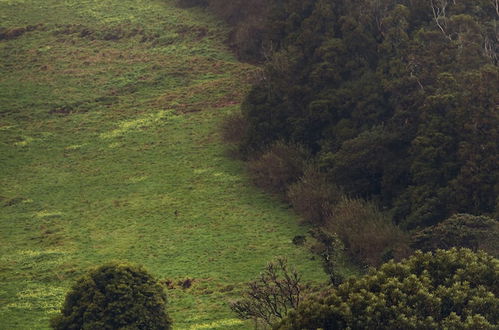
(379, 10)
(439, 8)
(269, 298)
(490, 49)
(495, 4)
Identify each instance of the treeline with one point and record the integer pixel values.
(376, 113)
(395, 100)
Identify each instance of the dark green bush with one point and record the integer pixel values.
(114, 296)
(460, 230)
(454, 289)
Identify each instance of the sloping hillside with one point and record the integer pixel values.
(109, 150)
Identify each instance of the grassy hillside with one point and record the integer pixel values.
(109, 150)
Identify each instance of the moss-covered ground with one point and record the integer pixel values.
(109, 150)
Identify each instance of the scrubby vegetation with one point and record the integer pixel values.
(454, 289)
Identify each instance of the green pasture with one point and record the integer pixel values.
(110, 150)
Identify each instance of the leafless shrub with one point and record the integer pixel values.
(279, 167)
(313, 196)
(368, 234)
(269, 298)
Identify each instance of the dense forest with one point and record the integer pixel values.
(378, 121)
(388, 106)
(397, 101)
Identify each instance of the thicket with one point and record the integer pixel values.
(453, 289)
(114, 296)
(369, 237)
(368, 233)
(396, 100)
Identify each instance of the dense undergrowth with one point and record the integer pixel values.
(109, 150)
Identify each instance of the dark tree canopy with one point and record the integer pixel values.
(460, 230)
(396, 100)
(454, 289)
(114, 296)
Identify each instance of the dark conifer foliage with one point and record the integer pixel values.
(397, 100)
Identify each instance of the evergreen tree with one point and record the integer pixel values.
(114, 296)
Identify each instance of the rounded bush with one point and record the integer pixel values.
(114, 296)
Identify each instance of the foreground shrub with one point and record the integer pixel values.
(114, 296)
(279, 167)
(454, 289)
(460, 230)
(269, 298)
(368, 234)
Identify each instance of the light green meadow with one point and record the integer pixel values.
(110, 150)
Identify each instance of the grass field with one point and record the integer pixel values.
(109, 150)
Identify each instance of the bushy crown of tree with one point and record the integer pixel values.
(460, 230)
(396, 99)
(114, 296)
(453, 289)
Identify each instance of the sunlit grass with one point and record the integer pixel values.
(109, 150)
